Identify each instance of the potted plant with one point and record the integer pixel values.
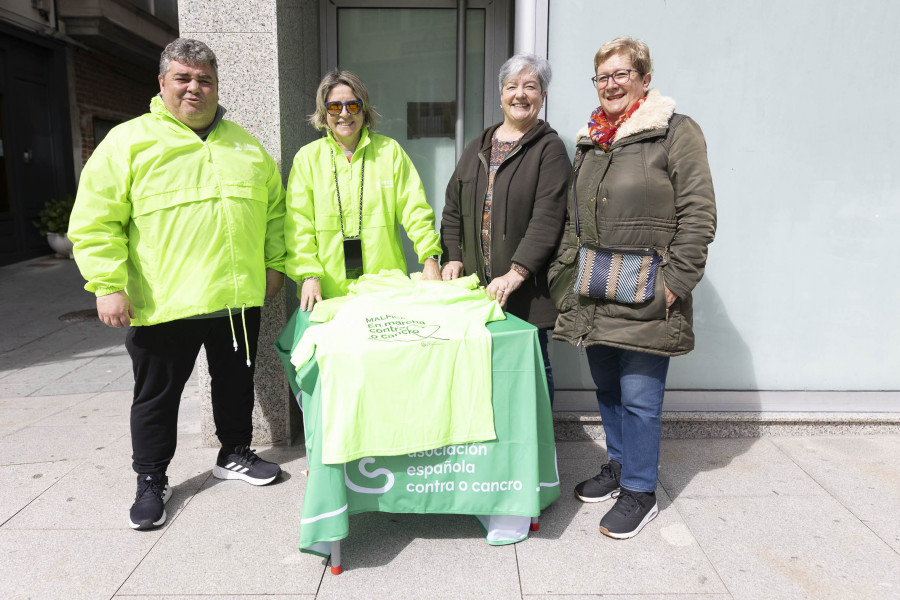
(53, 221)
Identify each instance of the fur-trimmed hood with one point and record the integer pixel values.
(654, 113)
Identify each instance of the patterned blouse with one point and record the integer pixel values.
(499, 152)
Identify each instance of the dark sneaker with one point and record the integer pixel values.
(243, 463)
(601, 486)
(629, 514)
(148, 510)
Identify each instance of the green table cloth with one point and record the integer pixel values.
(514, 475)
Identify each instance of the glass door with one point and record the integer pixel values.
(407, 57)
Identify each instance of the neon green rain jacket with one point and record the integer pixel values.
(392, 193)
(185, 227)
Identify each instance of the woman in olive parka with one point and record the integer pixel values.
(642, 182)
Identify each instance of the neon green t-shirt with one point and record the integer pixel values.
(403, 366)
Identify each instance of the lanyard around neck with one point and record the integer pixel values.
(337, 190)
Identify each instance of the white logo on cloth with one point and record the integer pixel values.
(362, 463)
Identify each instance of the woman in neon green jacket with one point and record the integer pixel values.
(347, 195)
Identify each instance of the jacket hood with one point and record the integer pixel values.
(535, 133)
(654, 113)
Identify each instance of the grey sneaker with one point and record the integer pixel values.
(602, 486)
(148, 510)
(629, 514)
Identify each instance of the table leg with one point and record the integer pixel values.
(336, 567)
(534, 523)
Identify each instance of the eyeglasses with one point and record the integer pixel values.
(335, 108)
(621, 76)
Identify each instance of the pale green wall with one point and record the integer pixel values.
(797, 102)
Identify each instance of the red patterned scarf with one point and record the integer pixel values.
(602, 132)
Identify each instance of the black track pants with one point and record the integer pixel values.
(163, 357)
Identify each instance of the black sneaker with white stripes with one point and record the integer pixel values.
(242, 463)
(148, 510)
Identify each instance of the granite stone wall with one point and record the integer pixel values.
(268, 54)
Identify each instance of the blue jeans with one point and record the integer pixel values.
(630, 387)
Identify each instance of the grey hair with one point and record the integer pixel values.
(532, 63)
(188, 52)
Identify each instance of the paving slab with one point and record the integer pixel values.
(217, 597)
(569, 555)
(98, 492)
(791, 547)
(231, 527)
(19, 412)
(15, 390)
(74, 565)
(861, 472)
(594, 450)
(435, 556)
(44, 373)
(20, 485)
(56, 388)
(102, 408)
(747, 467)
(37, 443)
(630, 597)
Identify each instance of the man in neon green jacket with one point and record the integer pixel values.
(179, 221)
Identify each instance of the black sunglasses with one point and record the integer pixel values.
(335, 108)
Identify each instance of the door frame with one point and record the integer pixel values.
(498, 38)
(16, 43)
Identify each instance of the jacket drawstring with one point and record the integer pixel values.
(234, 337)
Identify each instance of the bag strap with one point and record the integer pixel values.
(575, 192)
(674, 122)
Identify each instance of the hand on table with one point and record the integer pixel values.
(502, 287)
(453, 269)
(310, 293)
(431, 271)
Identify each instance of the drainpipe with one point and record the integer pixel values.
(532, 20)
(461, 6)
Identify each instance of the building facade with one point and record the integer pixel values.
(795, 311)
(70, 70)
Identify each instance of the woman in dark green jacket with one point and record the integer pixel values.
(506, 201)
(641, 181)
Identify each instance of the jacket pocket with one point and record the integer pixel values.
(651, 310)
(466, 200)
(561, 278)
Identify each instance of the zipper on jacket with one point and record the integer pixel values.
(227, 214)
(638, 251)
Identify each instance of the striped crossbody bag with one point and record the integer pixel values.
(627, 276)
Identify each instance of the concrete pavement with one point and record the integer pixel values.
(746, 518)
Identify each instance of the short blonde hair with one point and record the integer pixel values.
(332, 80)
(636, 50)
